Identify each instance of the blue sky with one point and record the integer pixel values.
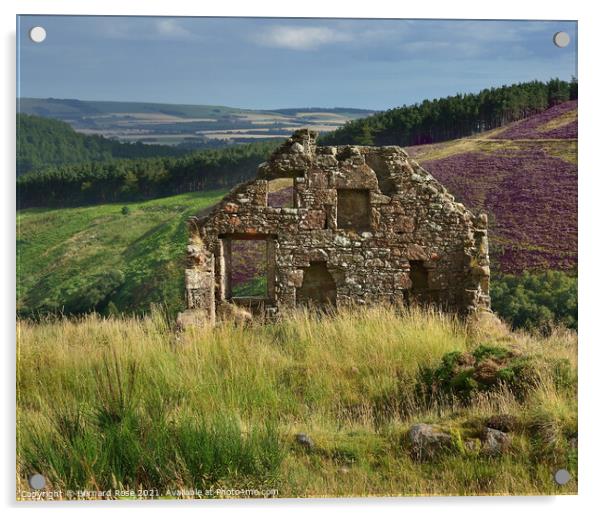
(276, 63)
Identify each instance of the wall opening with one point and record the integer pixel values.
(419, 276)
(281, 193)
(248, 268)
(386, 184)
(318, 288)
(353, 209)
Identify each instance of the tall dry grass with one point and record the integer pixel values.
(126, 402)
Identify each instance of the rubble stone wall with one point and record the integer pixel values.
(407, 225)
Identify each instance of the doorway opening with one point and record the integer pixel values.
(318, 288)
(248, 270)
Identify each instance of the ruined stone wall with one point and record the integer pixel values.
(398, 223)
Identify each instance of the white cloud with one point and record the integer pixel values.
(170, 29)
(301, 38)
(145, 29)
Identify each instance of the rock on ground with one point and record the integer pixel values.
(427, 441)
(495, 442)
(234, 313)
(305, 441)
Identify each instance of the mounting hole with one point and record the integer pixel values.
(37, 34)
(561, 39)
(37, 481)
(562, 476)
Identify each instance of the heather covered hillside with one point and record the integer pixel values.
(557, 122)
(525, 176)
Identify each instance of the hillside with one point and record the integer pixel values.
(456, 116)
(525, 176)
(185, 125)
(44, 142)
(79, 259)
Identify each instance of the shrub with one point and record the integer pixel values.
(487, 367)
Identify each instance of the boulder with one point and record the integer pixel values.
(494, 442)
(234, 313)
(305, 441)
(427, 441)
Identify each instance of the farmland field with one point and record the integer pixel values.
(173, 124)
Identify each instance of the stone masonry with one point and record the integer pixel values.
(367, 225)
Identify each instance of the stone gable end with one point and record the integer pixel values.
(367, 225)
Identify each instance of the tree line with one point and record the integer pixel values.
(453, 117)
(126, 180)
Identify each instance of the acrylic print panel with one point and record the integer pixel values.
(296, 257)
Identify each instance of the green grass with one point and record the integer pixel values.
(255, 287)
(97, 257)
(124, 402)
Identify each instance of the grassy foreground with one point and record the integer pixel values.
(125, 403)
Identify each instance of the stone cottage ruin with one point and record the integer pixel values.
(363, 225)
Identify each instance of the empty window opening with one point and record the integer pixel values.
(281, 193)
(386, 184)
(248, 268)
(318, 288)
(419, 275)
(353, 209)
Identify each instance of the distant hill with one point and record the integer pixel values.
(525, 176)
(43, 142)
(74, 108)
(191, 126)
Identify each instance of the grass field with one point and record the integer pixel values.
(77, 259)
(126, 403)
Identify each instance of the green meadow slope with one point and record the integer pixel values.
(44, 143)
(110, 257)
